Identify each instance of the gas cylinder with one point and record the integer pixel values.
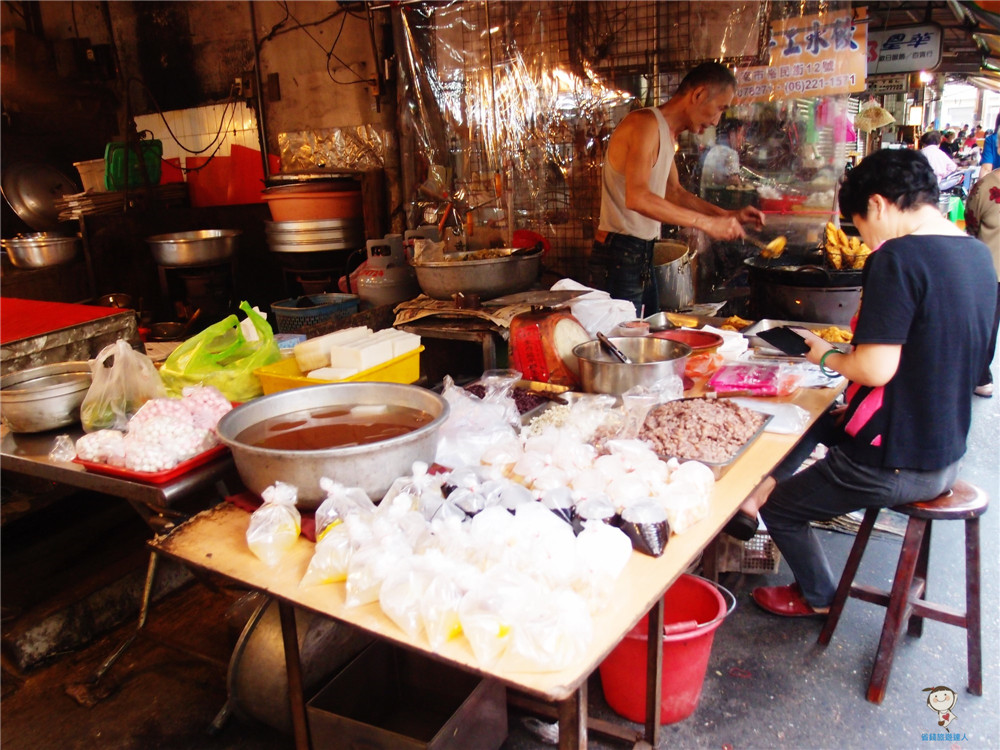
(387, 277)
(541, 346)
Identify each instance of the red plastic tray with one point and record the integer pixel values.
(154, 477)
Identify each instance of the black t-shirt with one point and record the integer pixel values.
(934, 295)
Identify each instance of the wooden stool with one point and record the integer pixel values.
(905, 602)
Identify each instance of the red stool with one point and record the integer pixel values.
(906, 603)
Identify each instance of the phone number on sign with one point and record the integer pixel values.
(806, 85)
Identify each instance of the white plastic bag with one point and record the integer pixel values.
(340, 502)
(472, 427)
(331, 558)
(123, 380)
(275, 526)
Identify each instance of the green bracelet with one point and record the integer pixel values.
(822, 368)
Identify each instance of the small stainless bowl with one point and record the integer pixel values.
(44, 398)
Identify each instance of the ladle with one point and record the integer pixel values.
(613, 350)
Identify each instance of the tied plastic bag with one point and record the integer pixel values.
(499, 385)
(123, 380)
(275, 525)
(224, 357)
(340, 502)
(473, 426)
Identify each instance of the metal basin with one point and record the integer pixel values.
(44, 398)
(40, 249)
(489, 278)
(372, 467)
(198, 248)
(652, 360)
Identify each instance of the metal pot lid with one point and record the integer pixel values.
(32, 189)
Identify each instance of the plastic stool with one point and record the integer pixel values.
(906, 603)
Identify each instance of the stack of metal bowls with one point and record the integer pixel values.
(315, 236)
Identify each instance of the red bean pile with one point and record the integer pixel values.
(525, 400)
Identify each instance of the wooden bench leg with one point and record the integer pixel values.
(847, 577)
(915, 626)
(973, 614)
(897, 609)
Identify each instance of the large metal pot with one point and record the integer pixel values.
(40, 249)
(489, 278)
(784, 290)
(198, 248)
(44, 398)
(372, 467)
(652, 360)
(673, 272)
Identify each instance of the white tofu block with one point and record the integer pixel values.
(314, 353)
(363, 354)
(332, 373)
(402, 341)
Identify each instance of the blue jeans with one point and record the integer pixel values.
(829, 488)
(622, 266)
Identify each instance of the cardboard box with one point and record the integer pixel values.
(396, 699)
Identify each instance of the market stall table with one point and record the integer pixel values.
(215, 542)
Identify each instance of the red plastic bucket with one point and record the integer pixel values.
(691, 600)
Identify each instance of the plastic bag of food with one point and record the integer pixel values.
(756, 379)
(703, 365)
(442, 599)
(552, 630)
(123, 380)
(499, 385)
(63, 449)
(402, 591)
(275, 525)
(206, 405)
(331, 558)
(340, 502)
(488, 611)
(161, 442)
(420, 491)
(473, 426)
(369, 567)
(602, 552)
(102, 447)
(222, 356)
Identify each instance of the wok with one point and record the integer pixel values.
(489, 278)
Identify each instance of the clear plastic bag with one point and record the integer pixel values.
(499, 385)
(275, 526)
(369, 567)
(487, 612)
(340, 502)
(123, 380)
(441, 601)
(472, 427)
(331, 558)
(402, 592)
(552, 631)
(63, 449)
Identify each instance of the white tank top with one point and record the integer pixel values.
(615, 217)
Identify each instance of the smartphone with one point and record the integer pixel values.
(785, 340)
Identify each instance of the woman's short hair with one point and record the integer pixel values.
(930, 138)
(902, 176)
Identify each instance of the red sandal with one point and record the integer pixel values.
(784, 601)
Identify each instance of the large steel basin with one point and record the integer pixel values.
(372, 467)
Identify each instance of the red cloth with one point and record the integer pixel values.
(250, 502)
(24, 318)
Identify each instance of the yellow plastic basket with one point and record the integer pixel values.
(285, 374)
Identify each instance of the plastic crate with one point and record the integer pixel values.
(326, 307)
(757, 556)
(285, 374)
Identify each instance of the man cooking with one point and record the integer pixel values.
(640, 189)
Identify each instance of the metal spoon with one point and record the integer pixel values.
(613, 350)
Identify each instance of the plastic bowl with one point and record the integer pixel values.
(314, 206)
(701, 342)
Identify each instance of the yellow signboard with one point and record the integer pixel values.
(819, 55)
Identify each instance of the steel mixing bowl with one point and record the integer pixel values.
(652, 360)
(198, 248)
(372, 467)
(40, 249)
(489, 278)
(44, 398)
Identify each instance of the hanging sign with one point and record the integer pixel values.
(904, 49)
(887, 84)
(818, 55)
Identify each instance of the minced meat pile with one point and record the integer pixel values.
(700, 429)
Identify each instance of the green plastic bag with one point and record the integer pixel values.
(221, 356)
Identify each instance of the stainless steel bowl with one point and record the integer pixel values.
(44, 398)
(652, 360)
(489, 278)
(199, 248)
(372, 467)
(40, 249)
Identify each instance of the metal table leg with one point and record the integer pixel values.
(147, 596)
